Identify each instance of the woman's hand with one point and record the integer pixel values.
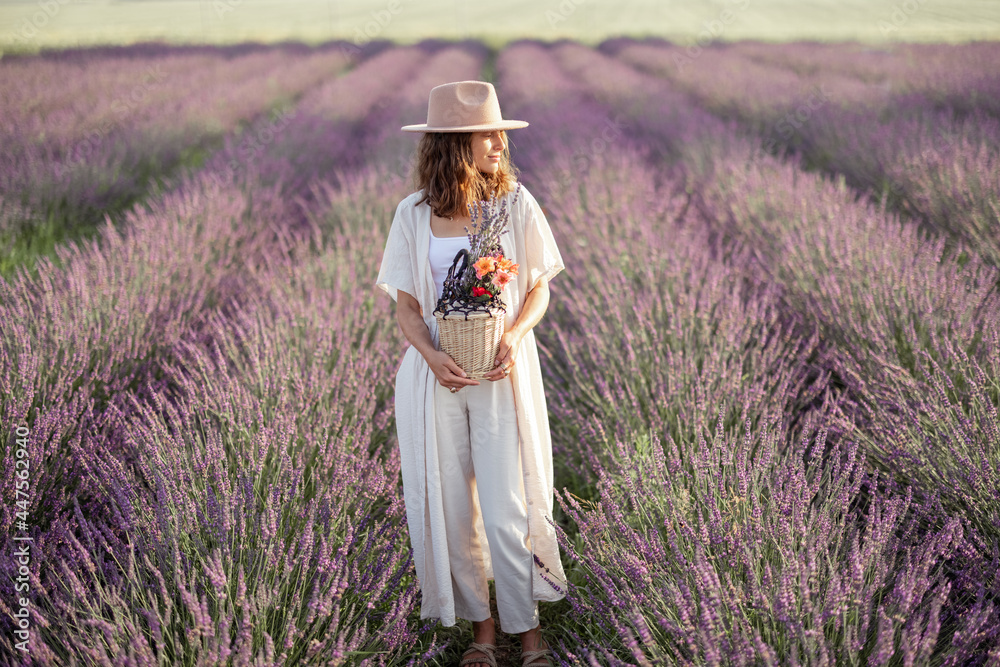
(449, 375)
(506, 354)
(411, 323)
(535, 303)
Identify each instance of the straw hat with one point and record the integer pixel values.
(464, 106)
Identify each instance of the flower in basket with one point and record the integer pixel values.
(492, 275)
(484, 266)
(500, 279)
(486, 272)
(468, 312)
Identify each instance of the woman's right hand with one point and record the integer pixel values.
(411, 323)
(449, 375)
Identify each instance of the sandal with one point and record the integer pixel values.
(487, 651)
(528, 657)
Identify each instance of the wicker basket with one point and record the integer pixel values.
(473, 340)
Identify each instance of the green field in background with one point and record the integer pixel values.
(29, 25)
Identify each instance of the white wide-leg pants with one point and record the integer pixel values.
(480, 453)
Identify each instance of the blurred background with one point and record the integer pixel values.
(32, 24)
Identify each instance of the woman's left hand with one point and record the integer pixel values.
(506, 354)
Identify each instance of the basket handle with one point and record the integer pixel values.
(450, 293)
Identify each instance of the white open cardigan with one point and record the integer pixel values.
(405, 267)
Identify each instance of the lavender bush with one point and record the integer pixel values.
(208, 466)
(899, 309)
(675, 560)
(83, 140)
(936, 163)
(835, 261)
(961, 76)
(723, 160)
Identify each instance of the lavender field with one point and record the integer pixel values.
(772, 363)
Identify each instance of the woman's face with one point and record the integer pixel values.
(486, 150)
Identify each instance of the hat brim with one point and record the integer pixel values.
(499, 125)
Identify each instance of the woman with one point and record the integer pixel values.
(465, 526)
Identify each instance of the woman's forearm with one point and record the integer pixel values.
(411, 323)
(535, 305)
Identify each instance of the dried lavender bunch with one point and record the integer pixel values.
(489, 219)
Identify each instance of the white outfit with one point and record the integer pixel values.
(477, 430)
(441, 254)
(424, 453)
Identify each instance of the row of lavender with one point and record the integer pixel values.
(85, 137)
(960, 294)
(956, 75)
(938, 329)
(908, 329)
(150, 354)
(919, 126)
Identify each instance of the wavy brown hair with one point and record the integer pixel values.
(446, 171)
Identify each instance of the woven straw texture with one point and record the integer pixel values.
(472, 342)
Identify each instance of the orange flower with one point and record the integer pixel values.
(484, 265)
(508, 266)
(500, 279)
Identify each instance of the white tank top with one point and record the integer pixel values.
(441, 254)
